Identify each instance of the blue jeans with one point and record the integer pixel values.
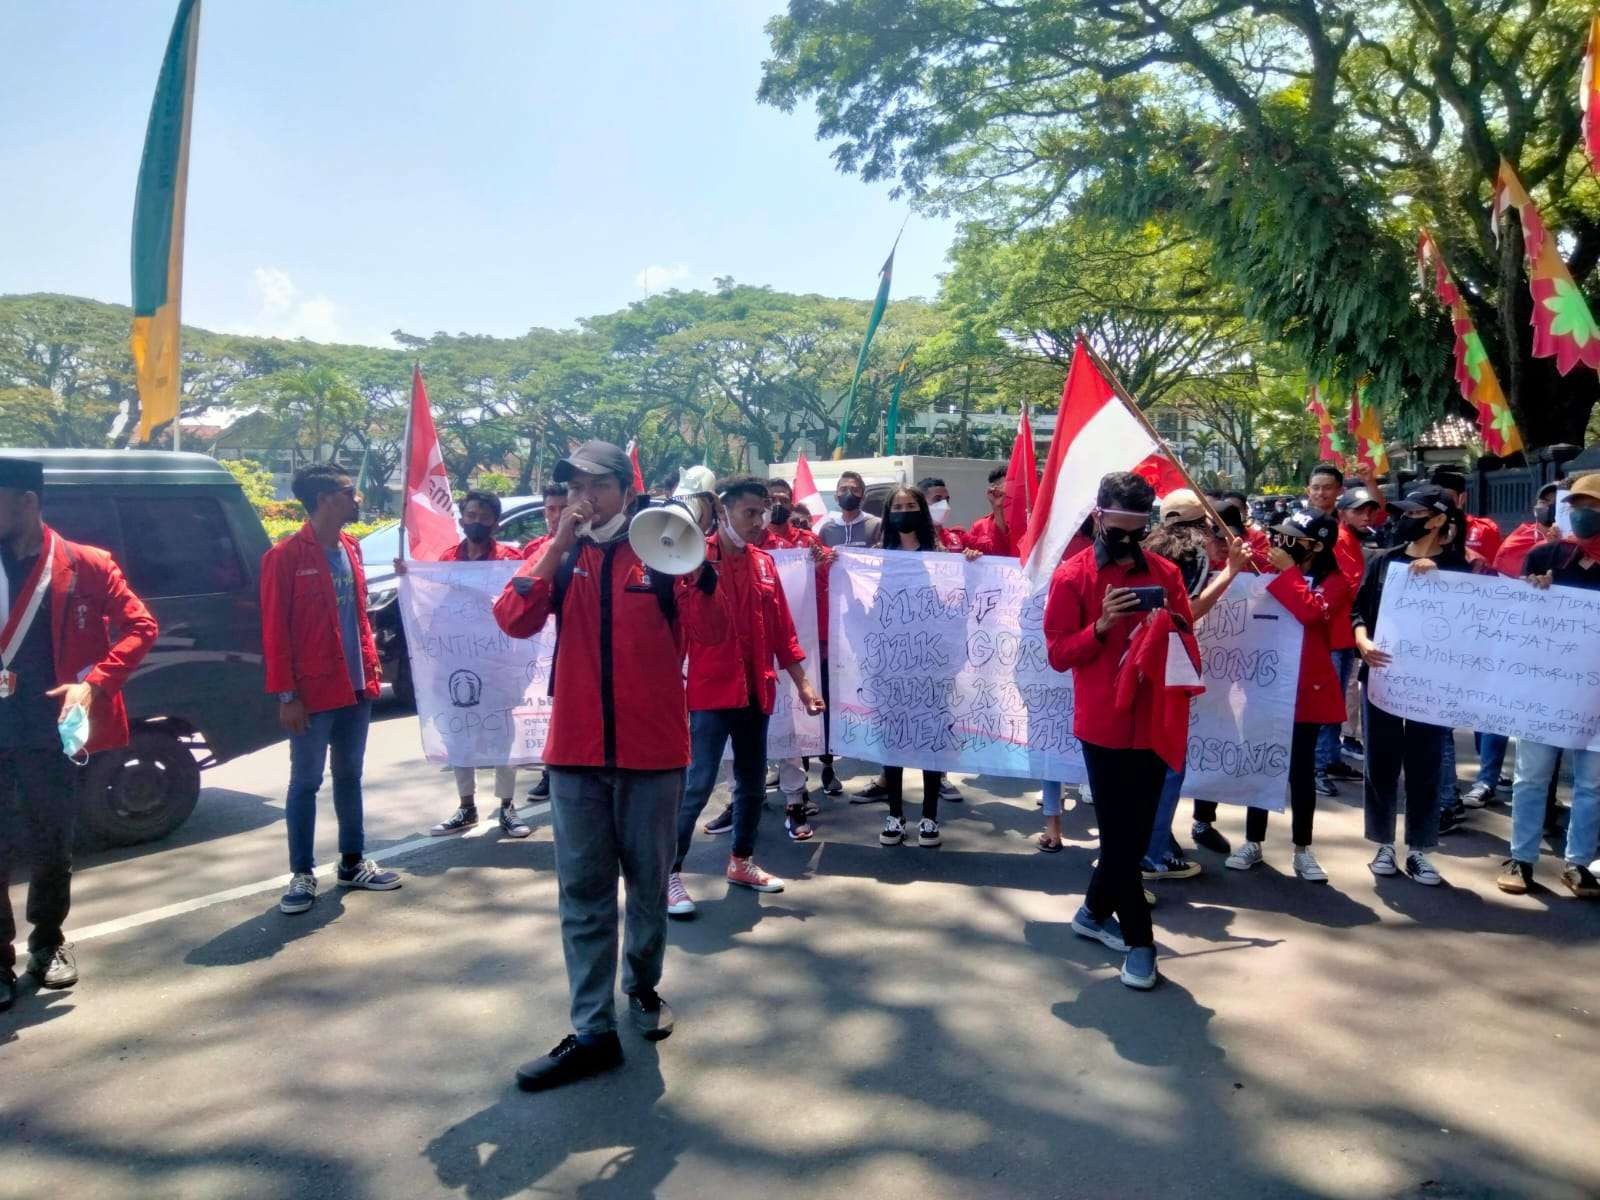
(339, 734)
(1052, 798)
(709, 732)
(1328, 740)
(1447, 771)
(1162, 843)
(1536, 767)
(1491, 757)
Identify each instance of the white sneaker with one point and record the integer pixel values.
(1383, 862)
(1420, 869)
(894, 832)
(1246, 856)
(1307, 867)
(928, 833)
(678, 902)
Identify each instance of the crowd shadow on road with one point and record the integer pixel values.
(219, 813)
(267, 933)
(34, 1006)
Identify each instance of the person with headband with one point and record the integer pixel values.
(61, 679)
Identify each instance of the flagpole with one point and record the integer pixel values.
(405, 460)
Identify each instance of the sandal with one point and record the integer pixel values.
(794, 822)
(1050, 845)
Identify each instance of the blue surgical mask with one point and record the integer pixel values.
(73, 726)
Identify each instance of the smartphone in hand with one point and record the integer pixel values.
(1151, 598)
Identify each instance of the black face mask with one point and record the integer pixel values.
(1120, 541)
(907, 522)
(1411, 529)
(1544, 514)
(477, 532)
(780, 513)
(1232, 518)
(849, 502)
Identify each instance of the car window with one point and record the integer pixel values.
(179, 546)
(88, 520)
(523, 527)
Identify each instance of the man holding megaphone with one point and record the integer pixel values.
(618, 744)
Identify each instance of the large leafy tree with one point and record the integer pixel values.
(1298, 142)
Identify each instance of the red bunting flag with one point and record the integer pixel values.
(428, 514)
(1563, 327)
(1371, 454)
(1022, 478)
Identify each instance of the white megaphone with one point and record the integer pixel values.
(667, 538)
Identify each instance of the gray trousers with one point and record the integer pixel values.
(505, 782)
(606, 823)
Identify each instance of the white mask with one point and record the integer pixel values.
(733, 536)
(939, 510)
(604, 533)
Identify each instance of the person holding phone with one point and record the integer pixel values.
(1091, 614)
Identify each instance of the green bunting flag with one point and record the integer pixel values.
(891, 422)
(878, 305)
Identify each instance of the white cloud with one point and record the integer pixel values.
(284, 311)
(658, 278)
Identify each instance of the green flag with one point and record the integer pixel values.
(891, 423)
(878, 305)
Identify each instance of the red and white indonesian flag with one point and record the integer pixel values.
(805, 492)
(1095, 435)
(430, 519)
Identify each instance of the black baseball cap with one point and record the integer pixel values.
(1449, 475)
(1308, 523)
(1355, 498)
(23, 474)
(1427, 498)
(595, 458)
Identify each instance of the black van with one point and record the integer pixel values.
(190, 545)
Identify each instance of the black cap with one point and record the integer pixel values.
(22, 474)
(595, 458)
(1355, 498)
(1308, 523)
(1427, 498)
(1549, 491)
(1449, 475)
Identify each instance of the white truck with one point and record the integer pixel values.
(967, 479)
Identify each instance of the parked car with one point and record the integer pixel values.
(521, 520)
(190, 545)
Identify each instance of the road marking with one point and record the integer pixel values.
(150, 916)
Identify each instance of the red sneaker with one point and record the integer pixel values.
(746, 874)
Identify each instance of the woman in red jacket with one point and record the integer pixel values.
(1311, 586)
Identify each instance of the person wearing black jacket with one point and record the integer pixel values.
(1427, 529)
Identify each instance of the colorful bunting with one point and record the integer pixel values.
(1480, 386)
(1371, 454)
(1562, 324)
(1331, 446)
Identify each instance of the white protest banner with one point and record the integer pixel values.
(1491, 654)
(481, 696)
(793, 732)
(940, 663)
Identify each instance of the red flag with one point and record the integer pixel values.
(1161, 473)
(428, 514)
(1022, 477)
(806, 495)
(638, 476)
(1095, 434)
(1589, 100)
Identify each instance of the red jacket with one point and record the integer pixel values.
(89, 598)
(300, 640)
(535, 547)
(726, 673)
(951, 538)
(988, 537)
(1483, 536)
(618, 671)
(1071, 608)
(1143, 680)
(1258, 543)
(498, 551)
(1318, 699)
(1352, 565)
(1513, 552)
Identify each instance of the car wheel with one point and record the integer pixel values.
(141, 792)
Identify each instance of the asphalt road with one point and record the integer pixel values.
(898, 1023)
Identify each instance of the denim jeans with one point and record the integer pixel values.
(1051, 793)
(611, 822)
(1491, 757)
(1328, 740)
(1536, 767)
(709, 733)
(339, 735)
(1394, 744)
(1162, 843)
(1447, 770)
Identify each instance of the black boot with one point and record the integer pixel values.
(8, 989)
(571, 1060)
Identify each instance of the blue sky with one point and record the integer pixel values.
(471, 165)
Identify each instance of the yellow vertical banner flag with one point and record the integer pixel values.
(158, 227)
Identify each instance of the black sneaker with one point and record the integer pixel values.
(570, 1061)
(367, 876)
(1208, 837)
(652, 1016)
(874, 793)
(949, 793)
(1448, 821)
(54, 968)
(1515, 877)
(1325, 784)
(1341, 770)
(541, 790)
(512, 825)
(721, 823)
(465, 818)
(830, 781)
(8, 988)
(1581, 882)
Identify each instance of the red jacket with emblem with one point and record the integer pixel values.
(760, 629)
(1318, 699)
(301, 645)
(89, 600)
(987, 536)
(618, 672)
(497, 551)
(1072, 606)
(1483, 537)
